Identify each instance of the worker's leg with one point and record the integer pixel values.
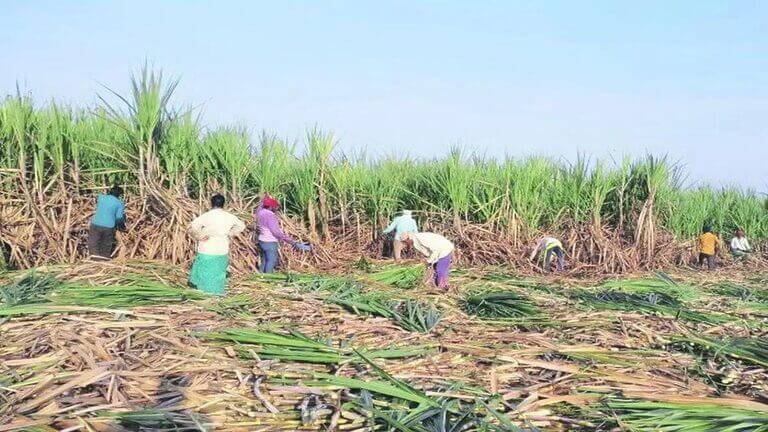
(739, 255)
(269, 259)
(397, 249)
(560, 258)
(442, 269)
(93, 241)
(711, 262)
(262, 257)
(107, 244)
(101, 242)
(702, 258)
(547, 260)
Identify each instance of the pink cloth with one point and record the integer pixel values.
(269, 227)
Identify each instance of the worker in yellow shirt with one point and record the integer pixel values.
(708, 245)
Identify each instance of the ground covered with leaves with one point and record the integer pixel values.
(125, 346)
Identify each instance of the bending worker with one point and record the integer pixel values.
(270, 234)
(437, 249)
(108, 218)
(401, 225)
(740, 245)
(213, 230)
(547, 247)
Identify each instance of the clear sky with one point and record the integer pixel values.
(687, 78)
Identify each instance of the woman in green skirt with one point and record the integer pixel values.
(212, 230)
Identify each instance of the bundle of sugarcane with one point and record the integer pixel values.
(694, 416)
(415, 316)
(161, 419)
(749, 350)
(409, 314)
(122, 296)
(399, 277)
(499, 305)
(661, 284)
(309, 282)
(650, 302)
(236, 306)
(295, 346)
(741, 292)
(394, 404)
(32, 288)
(281, 278)
(363, 265)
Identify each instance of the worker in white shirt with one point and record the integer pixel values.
(212, 230)
(547, 247)
(437, 249)
(740, 245)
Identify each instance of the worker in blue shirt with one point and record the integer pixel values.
(401, 225)
(109, 217)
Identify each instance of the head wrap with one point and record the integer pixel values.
(270, 203)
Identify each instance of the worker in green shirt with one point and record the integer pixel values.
(399, 226)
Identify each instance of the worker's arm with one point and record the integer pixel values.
(535, 251)
(120, 216)
(434, 255)
(391, 226)
(273, 225)
(196, 229)
(237, 228)
(412, 227)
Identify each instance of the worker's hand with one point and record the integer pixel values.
(204, 238)
(304, 247)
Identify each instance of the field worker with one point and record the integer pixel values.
(547, 247)
(708, 245)
(108, 218)
(740, 246)
(270, 234)
(401, 225)
(212, 230)
(437, 249)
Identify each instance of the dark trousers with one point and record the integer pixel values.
(548, 259)
(269, 256)
(101, 241)
(710, 259)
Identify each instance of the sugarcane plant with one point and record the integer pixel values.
(409, 314)
(395, 405)
(657, 303)
(399, 277)
(237, 306)
(741, 292)
(490, 304)
(694, 416)
(298, 347)
(750, 350)
(31, 288)
(662, 284)
(122, 296)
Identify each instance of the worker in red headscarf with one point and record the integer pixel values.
(270, 234)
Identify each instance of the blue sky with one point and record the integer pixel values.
(605, 78)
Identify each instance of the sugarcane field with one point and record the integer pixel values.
(558, 297)
(400, 216)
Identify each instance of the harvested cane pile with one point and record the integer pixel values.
(331, 352)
